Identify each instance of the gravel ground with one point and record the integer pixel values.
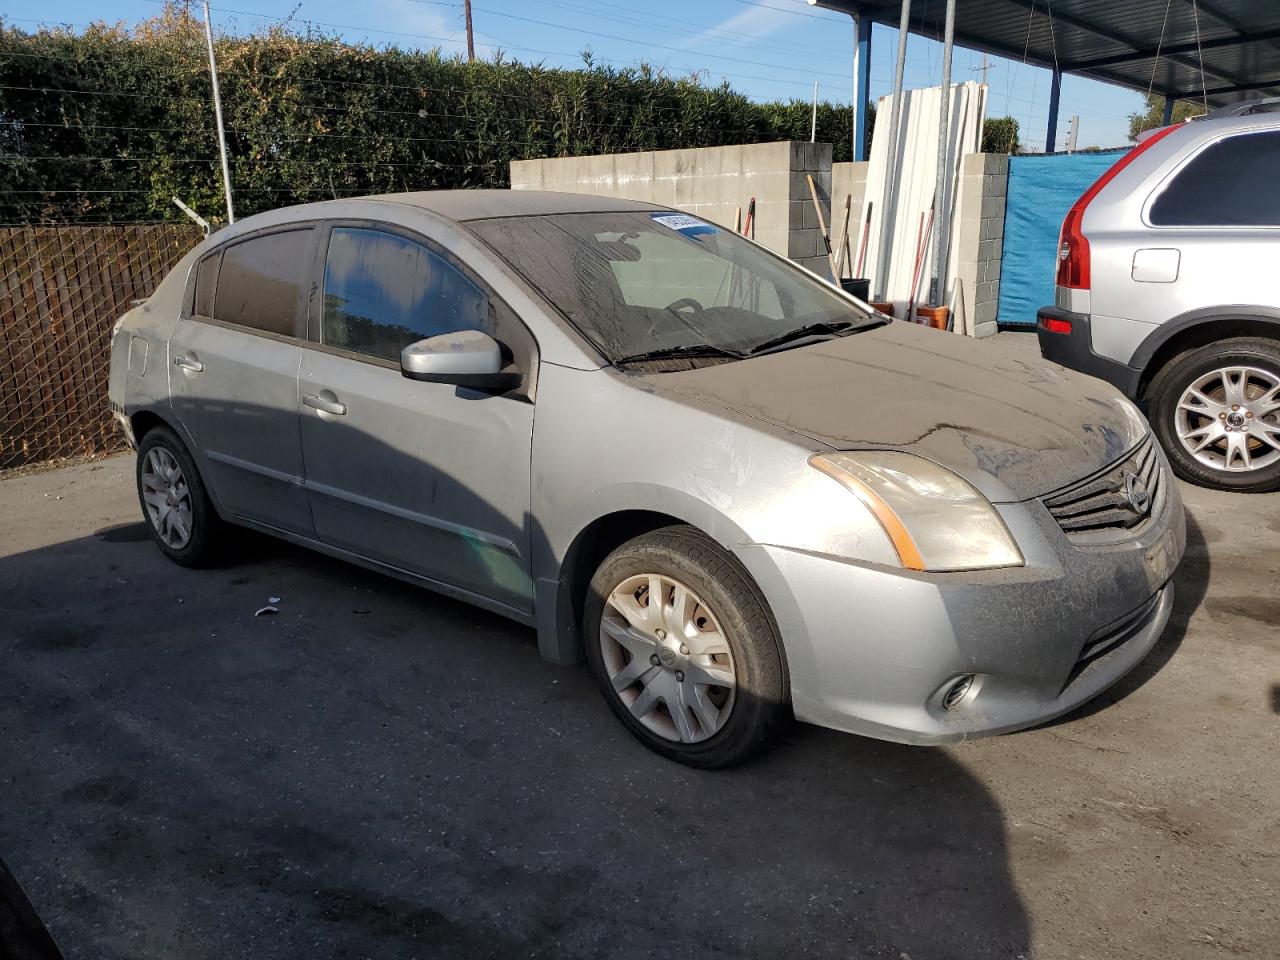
(380, 772)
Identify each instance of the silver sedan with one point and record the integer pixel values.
(740, 494)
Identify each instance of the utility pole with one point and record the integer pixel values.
(1072, 129)
(217, 112)
(471, 40)
(986, 65)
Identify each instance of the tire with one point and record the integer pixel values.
(1251, 367)
(204, 529)
(730, 633)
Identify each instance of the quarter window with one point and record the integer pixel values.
(383, 292)
(260, 282)
(206, 278)
(1229, 184)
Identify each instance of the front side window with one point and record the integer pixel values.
(260, 282)
(1229, 184)
(636, 284)
(383, 292)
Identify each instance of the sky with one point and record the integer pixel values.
(767, 49)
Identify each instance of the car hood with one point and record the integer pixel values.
(1015, 427)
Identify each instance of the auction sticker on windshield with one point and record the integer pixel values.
(683, 223)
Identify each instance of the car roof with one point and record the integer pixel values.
(464, 205)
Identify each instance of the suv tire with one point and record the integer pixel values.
(1236, 414)
(713, 625)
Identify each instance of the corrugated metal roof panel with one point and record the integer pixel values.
(1238, 41)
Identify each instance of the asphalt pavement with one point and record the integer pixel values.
(380, 772)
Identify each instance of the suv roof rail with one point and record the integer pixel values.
(1242, 108)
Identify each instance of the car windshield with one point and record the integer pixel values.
(644, 285)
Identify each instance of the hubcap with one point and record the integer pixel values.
(167, 497)
(666, 658)
(1230, 419)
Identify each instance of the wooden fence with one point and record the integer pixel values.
(61, 290)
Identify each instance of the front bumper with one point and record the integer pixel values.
(874, 650)
(1074, 350)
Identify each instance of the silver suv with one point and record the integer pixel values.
(1168, 288)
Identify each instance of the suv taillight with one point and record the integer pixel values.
(1073, 246)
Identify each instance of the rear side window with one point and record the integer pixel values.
(382, 292)
(1229, 184)
(260, 282)
(206, 278)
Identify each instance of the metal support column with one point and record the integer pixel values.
(888, 201)
(1051, 131)
(942, 187)
(861, 84)
(1168, 112)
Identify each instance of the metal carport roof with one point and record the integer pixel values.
(1116, 41)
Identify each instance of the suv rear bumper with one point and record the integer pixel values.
(1075, 350)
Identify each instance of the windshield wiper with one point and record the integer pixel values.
(799, 333)
(690, 350)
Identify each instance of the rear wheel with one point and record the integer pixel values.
(174, 502)
(684, 649)
(1216, 411)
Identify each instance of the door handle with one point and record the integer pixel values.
(325, 406)
(188, 363)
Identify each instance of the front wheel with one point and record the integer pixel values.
(684, 648)
(1216, 411)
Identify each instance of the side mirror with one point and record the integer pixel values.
(467, 358)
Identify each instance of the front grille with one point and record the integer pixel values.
(1110, 504)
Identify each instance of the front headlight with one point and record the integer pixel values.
(934, 519)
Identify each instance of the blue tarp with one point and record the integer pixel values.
(1041, 191)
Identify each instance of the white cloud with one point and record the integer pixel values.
(754, 21)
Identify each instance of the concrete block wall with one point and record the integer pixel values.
(984, 185)
(709, 182)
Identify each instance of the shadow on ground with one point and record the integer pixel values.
(380, 771)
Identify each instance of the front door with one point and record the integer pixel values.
(234, 376)
(425, 477)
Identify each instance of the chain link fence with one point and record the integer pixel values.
(61, 290)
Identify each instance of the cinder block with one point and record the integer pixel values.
(973, 165)
(992, 229)
(995, 186)
(991, 270)
(803, 243)
(996, 164)
(819, 265)
(987, 250)
(985, 312)
(988, 328)
(987, 292)
(993, 209)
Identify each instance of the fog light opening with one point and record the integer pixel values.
(957, 691)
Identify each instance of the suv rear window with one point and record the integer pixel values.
(1229, 184)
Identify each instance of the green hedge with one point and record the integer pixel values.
(109, 124)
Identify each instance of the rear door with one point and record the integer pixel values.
(233, 375)
(428, 478)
